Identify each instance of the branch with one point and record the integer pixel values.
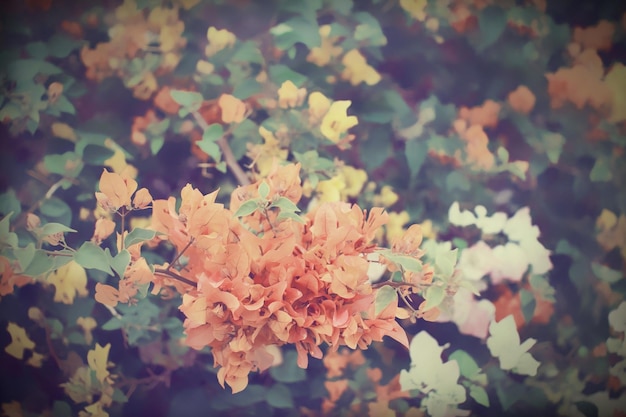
(229, 158)
(174, 275)
(394, 284)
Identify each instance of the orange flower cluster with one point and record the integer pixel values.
(262, 279)
(137, 35)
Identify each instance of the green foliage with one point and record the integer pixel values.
(504, 107)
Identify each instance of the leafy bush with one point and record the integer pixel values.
(197, 196)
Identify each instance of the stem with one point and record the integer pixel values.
(180, 254)
(394, 284)
(123, 215)
(171, 274)
(267, 217)
(53, 188)
(229, 158)
(53, 353)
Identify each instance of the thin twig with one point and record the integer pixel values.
(229, 157)
(394, 284)
(169, 267)
(170, 274)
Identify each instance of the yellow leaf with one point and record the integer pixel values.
(97, 360)
(69, 280)
(233, 109)
(336, 121)
(606, 220)
(616, 81)
(63, 131)
(36, 360)
(19, 341)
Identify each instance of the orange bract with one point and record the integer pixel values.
(266, 281)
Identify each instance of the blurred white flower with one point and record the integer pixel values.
(504, 344)
(617, 318)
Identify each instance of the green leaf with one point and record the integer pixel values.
(605, 273)
(68, 164)
(9, 203)
(52, 228)
(384, 296)
(479, 394)
(467, 364)
(369, 30)
(209, 138)
(288, 371)
(96, 155)
(281, 73)
(445, 260)
(119, 262)
(415, 152)
(434, 296)
(188, 99)
(42, 263)
(247, 88)
(92, 256)
(247, 208)
(7, 237)
(156, 143)
(407, 263)
(24, 255)
(601, 171)
(264, 190)
(456, 180)
(279, 396)
(54, 207)
(113, 324)
(492, 21)
(119, 397)
(290, 215)
(528, 304)
(503, 154)
(285, 204)
(553, 144)
(296, 30)
(138, 235)
(61, 409)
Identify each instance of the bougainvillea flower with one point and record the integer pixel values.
(233, 109)
(322, 55)
(336, 122)
(357, 70)
(19, 341)
(290, 96)
(115, 190)
(218, 40)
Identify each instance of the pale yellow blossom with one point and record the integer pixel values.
(323, 54)
(416, 8)
(290, 96)
(357, 70)
(336, 122)
(318, 107)
(218, 40)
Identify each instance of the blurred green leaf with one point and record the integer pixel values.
(492, 21)
(288, 371)
(605, 273)
(247, 208)
(467, 364)
(434, 296)
(479, 394)
(384, 296)
(279, 396)
(138, 235)
(9, 203)
(91, 256)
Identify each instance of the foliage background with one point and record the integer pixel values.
(439, 62)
